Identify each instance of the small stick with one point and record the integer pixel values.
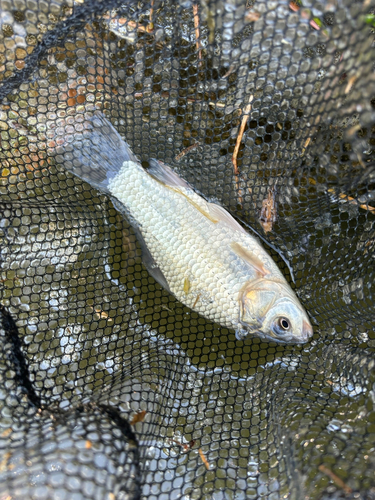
(204, 459)
(229, 72)
(339, 482)
(186, 151)
(196, 300)
(197, 35)
(245, 117)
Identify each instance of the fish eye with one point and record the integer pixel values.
(284, 324)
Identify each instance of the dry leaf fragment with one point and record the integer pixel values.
(138, 417)
(268, 213)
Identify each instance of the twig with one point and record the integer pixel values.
(204, 459)
(339, 482)
(197, 35)
(245, 117)
(186, 151)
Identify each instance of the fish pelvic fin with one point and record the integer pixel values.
(92, 149)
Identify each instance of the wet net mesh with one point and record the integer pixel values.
(110, 387)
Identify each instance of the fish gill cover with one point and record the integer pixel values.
(110, 387)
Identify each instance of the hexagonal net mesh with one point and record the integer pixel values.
(110, 387)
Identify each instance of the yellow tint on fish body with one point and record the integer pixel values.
(186, 285)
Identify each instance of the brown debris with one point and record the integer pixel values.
(350, 83)
(314, 25)
(150, 26)
(351, 200)
(204, 459)
(197, 34)
(138, 417)
(132, 24)
(294, 7)
(186, 151)
(4, 461)
(252, 16)
(268, 212)
(339, 482)
(307, 142)
(186, 446)
(245, 117)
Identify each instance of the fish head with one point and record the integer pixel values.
(271, 311)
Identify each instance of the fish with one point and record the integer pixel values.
(191, 246)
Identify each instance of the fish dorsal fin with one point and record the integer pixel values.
(161, 172)
(250, 259)
(215, 213)
(219, 213)
(164, 174)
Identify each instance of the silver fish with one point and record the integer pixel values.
(193, 248)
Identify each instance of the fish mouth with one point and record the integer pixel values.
(305, 336)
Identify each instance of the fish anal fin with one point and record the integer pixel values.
(250, 259)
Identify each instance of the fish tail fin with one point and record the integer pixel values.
(92, 149)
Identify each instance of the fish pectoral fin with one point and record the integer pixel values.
(221, 215)
(150, 263)
(252, 260)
